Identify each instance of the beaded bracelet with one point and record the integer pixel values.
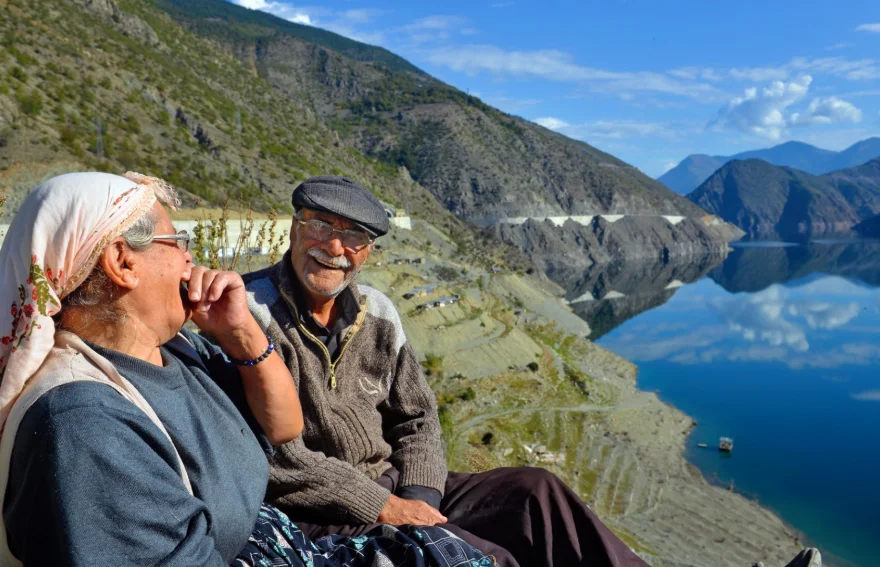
(257, 360)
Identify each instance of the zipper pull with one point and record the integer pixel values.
(332, 379)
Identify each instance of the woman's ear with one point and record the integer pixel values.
(118, 262)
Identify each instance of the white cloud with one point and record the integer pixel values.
(302, 18)
(765, 112)
(828, 110)
(551, 123)
(258, 5)
(436, 29)
(842, 45)
(620, 129)
(559, 66)
(872, 28)
(359, 16)
(850, 69)
(668, 166)
(435, 23)
(762, 112)
(867, 396)
(342, 22)
(760, 74)
(693, 73)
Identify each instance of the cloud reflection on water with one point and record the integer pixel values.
(802, 326)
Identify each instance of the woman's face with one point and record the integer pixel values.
(165, 267)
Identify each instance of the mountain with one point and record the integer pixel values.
(691, 172)
(227, 102)
(765, 200)
(479, 162)
(694, 169)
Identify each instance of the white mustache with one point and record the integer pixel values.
(337, 261)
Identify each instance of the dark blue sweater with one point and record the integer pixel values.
(94, 482)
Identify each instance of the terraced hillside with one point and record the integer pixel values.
(518, 384)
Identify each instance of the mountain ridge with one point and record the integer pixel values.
(766, 200)
(696, 168)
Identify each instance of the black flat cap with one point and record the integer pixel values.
(342, 197)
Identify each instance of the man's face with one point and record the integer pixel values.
(325, 267)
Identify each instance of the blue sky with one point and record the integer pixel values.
(649, 81)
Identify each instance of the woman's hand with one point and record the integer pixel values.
(219, 307)
(219, 302)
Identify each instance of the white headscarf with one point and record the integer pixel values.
(51, 247)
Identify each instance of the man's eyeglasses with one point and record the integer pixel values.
(319, 230)
(182, 239)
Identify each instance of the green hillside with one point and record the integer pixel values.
(91, 84)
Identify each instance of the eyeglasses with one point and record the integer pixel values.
(319, 230)
(182, 239)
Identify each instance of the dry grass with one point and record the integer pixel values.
(213, 247)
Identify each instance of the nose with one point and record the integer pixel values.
(334, 246)
(188, 256)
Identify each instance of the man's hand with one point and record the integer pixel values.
(398, 512)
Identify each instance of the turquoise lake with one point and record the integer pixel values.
(778, 347)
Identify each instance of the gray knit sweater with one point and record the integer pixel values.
(365, 410)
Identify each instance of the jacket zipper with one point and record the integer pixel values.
(331, 363)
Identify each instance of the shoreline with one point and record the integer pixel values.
(517, 384)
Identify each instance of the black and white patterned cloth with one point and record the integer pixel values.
(277, 542)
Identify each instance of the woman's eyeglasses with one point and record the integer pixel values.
(182, 239)
(319, 230)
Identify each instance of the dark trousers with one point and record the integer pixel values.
(525, 517)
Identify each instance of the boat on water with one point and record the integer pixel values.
(725, 444)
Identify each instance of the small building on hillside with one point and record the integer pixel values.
(420, 291)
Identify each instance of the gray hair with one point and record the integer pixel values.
(97, 294)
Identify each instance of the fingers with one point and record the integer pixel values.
(436, 515)
(207, 286)
(427, 514)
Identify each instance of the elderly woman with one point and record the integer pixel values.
(126, 440)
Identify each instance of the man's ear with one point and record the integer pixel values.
(118, 262)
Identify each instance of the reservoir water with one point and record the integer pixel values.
(777, 347)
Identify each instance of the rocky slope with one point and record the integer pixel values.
(695, 169)
(769, 201)
(480, 163)
(575, 247)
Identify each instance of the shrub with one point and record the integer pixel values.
(447, 425)
(30, 104)
(468, 395)
(18, 74)
(432, 363)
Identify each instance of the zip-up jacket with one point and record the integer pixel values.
(365, 409)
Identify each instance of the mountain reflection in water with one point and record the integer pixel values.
(606, 295)
(778, 348)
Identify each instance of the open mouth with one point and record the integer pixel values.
(325, 264)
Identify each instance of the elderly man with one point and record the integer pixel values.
(370, 450)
